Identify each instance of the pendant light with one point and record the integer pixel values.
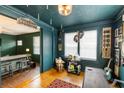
(65, 10)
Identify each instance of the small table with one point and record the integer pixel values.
(95, 78)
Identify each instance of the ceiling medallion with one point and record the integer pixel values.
(65, 10)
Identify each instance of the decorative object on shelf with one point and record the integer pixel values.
(116, 42)
(28, 22)
(78, 36)
(122, 49)
(117, 55)
(116, 32)
(60, 64)
(65, 10)
(106, 42)
(120, 34)
(74, 67)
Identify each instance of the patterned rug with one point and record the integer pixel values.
(57, 83)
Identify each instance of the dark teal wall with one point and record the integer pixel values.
(8, 45)
(100, 62)
(27, 40)
(117, 24)
(44, 62)
(49, 48)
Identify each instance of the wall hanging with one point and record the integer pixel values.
(78, 36)
(106, 43)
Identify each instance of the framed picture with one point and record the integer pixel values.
(106, 42)
(117, 56)
(120, 37)
(116, 70)
(120, 30)
(116, 32)
(116, 42)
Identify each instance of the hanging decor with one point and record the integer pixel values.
(26, 21)
(106, 43)
(65, 10)
(78, 36)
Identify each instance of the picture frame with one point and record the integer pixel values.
(120, 30)
(120, 37)
(117, 56)
(116, 42)
(106, 42)
(116, 70)
(116, 32)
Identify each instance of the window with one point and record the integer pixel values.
(70, 45)
(36, 45)
(88, 45)
(19, 42)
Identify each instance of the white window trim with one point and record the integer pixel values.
(34, 45)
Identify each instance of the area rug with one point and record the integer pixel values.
(57, 83)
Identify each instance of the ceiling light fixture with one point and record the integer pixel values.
(65, 10)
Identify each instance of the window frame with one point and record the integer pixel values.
(18, 42)
(78, 48)
(34, 47)
(90, 59)
(64, 42)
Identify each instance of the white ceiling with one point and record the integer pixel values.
(11, 27)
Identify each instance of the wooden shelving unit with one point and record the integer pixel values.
(106, 43)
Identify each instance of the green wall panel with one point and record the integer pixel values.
(8, 45)
(27, 40)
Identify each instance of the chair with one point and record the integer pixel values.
(18, 65)
(6, 68)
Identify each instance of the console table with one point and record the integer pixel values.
(95, 78)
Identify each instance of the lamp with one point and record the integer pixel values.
(65, 10)
(27, 50)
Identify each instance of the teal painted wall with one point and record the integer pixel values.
(8, 44)
(49, 48)
(45, 62)
(100, 62)
(27, 40)
(117, 23)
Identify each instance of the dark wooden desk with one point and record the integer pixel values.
(95, 78)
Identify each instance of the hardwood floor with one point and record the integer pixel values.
(19, 78)
(32, 79)
(51, 75)
(44, 79)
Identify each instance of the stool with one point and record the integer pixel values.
(6, 68)
(19, 65)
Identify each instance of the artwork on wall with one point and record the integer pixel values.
(116, 42)
(116, 70)
(116, 32)
(119, 60)
(106, 42)
(120, 35)
(117, 56)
